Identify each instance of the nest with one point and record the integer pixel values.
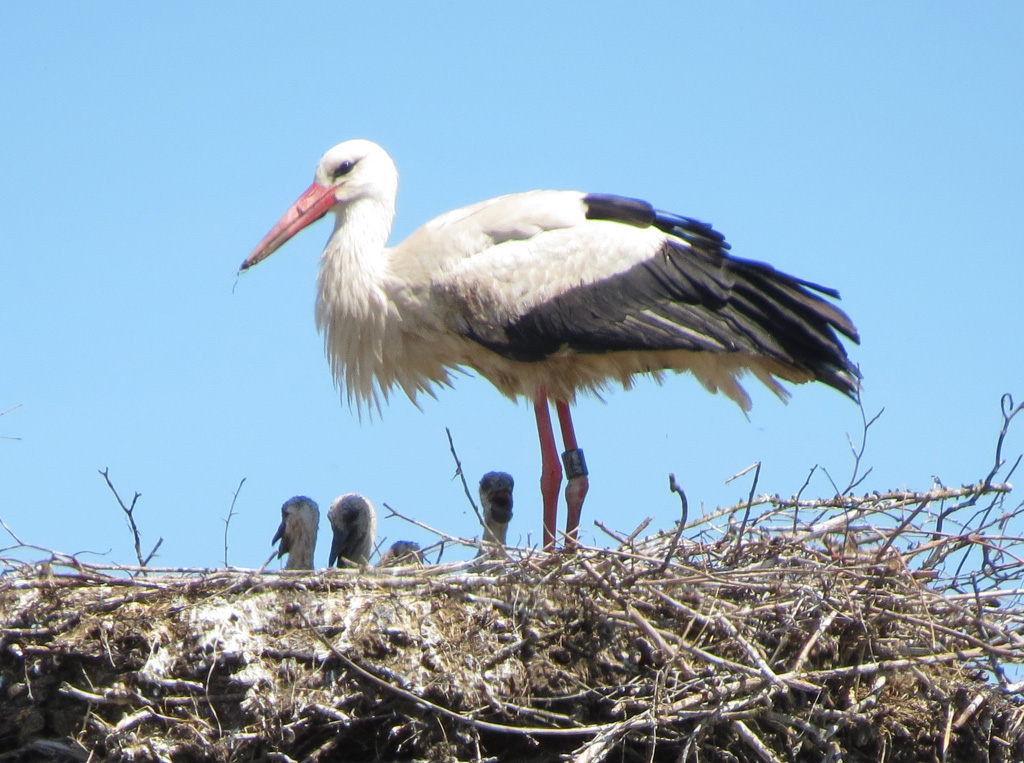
(880, 627)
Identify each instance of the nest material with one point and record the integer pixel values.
(877, 628)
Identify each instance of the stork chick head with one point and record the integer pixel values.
(496, 499)
(496, 496)
(353, 521)
(402, 552)
(299, 519)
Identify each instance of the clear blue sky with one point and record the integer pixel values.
(146, 148)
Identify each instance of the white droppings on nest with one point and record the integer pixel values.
(231, 627)
(348, 610)
(161, 661)
(237, 629)
(25, 599)
(389, 618)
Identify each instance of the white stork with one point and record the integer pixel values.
(547, 294)
(496, 501)
(300, 517)
(353, 521)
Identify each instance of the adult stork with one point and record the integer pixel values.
(353, 521)
(547, 294)
(300, 517)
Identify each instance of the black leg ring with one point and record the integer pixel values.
(574, 464)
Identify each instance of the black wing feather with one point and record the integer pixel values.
(691, 296)
(682, 299)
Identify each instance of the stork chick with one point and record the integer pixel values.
(401, 553)
(299, 519)
(353, 521)
(496, 500)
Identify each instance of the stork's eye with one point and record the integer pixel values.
(343, 169)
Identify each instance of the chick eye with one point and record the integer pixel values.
(343, 169)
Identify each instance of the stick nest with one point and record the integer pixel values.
(881, 627)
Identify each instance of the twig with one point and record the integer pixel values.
(422, 525)
(128, 510)
(598, 748)
(11, 533)
(868, 701)
(800, 492)
(968, 712)
(670, 554)
(754, 742)
(131, 721)
(1009, 411)
(152, 553)
(47, 749)
(227, 521)
(823, 625)
(4, 413)
(674, 487)
(462, 476)
(756, 466)
(858, 452)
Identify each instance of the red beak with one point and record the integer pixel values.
(310, 207)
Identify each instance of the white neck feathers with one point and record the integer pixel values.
(352, 307)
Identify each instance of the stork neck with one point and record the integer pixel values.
(361, 231)
(351, 279)
(353, 309)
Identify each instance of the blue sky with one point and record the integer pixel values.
(146, 148)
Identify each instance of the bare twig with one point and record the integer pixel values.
(1009, 411)
(4, 413)
(674, 487)
(800, 492)
(756, 466)
(754, 742)
(462, 475)
(11, 532)
(858, 451)
(129, 513)
(227, 521)
(433, 530)
(151, 554)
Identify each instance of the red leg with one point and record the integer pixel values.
(550, 471)
(576, 472)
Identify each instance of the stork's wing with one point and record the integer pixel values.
(461, 234)
(625, 277)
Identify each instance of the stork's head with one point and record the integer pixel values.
(354, 523)
(349, 172)
(402, 552)
(357, 169)
(299, 519)
(496, 496)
